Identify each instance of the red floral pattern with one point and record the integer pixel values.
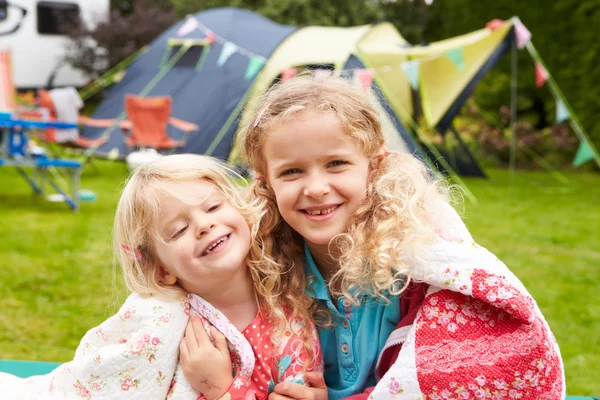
(458, 337)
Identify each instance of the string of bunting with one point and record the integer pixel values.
(255, 61)
(585, 152)
(411, 68)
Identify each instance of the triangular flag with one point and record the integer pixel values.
(288, 74)
(254, 65)
(541, 76)
(584, 154)
(228, 49)
(411, 69)
(322, 73)
(189, 26)
(562, 114)
(210, 37)
(522, 33)
(494, 24)
(366, 77)
(457, 57)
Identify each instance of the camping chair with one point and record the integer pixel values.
(7, 87)
(148, 118)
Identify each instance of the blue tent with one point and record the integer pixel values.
(207, 97)
(211, 94)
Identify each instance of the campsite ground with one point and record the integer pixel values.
(56, 274)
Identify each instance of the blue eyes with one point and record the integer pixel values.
(331, 164)
(291, 171)
(337, 163)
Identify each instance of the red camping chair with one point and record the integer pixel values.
(148, 118)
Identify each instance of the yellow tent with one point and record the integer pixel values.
(447, 72)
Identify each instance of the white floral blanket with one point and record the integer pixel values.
(132, 355)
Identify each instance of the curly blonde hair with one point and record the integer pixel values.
(135, 227)
(399, 210)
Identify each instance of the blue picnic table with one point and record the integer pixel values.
(14, 153)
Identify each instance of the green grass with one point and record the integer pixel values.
(56, 274)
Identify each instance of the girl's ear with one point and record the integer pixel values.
(165, 276)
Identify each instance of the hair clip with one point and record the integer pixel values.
(384, 152)
(260, 114)
(135, 254)
(262, 180)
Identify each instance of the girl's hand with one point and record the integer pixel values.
(295, 391)
(206, 366)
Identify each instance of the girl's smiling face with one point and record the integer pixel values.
(204, 240)
(318, 175)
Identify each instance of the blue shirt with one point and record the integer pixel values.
(351, 347)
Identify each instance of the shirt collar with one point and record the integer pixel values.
(318, 287)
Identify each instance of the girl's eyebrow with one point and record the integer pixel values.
(294, 163)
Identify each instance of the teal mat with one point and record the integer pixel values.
(580, 398)
(25, 369)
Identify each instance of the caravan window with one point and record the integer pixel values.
(53, 18)
(3, 10)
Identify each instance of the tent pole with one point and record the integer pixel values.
(513, 115)
(236, 111)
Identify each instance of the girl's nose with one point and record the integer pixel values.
(317, 187)
(204, 224)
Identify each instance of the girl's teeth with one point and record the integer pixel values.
(321, 212)
(212, 246)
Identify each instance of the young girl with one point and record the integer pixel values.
(185, 239)
(403, 296)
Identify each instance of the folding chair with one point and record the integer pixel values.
(148, 120)
(7, 87)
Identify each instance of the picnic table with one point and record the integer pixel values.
(14, 152)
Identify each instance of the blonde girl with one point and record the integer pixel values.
(184, 237)
(373, 248)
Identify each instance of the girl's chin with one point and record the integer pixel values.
(319, 240)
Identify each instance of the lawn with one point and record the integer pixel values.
(56, 276)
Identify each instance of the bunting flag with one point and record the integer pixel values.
(522, 33)
(322, 73)
(411, 69)
(210, 37)
(228, 49)
(189, 26)
(494, 24)
(288, 74)
(562, 114)
(541, 76)
(366, 77)
(254, 65)
(584, 154)
(457, 57)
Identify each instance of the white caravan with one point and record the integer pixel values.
(31, 30)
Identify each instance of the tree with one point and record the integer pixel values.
(132, 25)
(296, 12)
